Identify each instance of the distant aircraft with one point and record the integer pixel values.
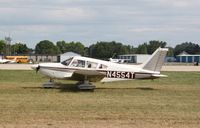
(86, 70)
(118, 60)
(5, 61)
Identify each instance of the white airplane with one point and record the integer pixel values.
(118, 60)
(86, 70)
(5, 61)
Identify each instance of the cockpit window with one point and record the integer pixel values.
(91, 64)
(78, 63)
(101, 66)
(67, 62)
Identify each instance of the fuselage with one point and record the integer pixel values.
(3, 61)
(93, 67)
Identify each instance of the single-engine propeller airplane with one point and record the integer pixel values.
(5, 61)
(86, 70)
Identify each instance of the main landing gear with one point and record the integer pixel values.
(85, 85)
(49, 84)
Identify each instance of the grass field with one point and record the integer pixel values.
(169, 102)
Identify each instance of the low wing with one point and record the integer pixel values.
(91, 75)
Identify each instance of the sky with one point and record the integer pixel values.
(131, 22)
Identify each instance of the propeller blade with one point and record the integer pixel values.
(37, 69)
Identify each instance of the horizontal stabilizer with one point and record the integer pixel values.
(159, 75)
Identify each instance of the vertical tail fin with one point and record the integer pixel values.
(155, 62)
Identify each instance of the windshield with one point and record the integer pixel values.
(67, 62)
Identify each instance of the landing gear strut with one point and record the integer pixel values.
(49, 84)
(85, 85)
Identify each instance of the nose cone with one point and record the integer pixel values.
(35, 66)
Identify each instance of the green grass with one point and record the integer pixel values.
(166, 102)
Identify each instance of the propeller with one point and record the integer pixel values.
(38, 68)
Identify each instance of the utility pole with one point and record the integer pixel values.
(8, 46)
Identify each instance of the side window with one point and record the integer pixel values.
(78, 63)
(101, 66)
(91, 64)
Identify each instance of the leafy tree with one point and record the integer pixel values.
(76, 47)
(149, 48)
(104, 50)
(86, 51)
(142, 49)
(154, 44)
(130, 49)
(170, 52)
(61, 46)
(20, 48)
(46, 47)
(2, 46)
(188, 47)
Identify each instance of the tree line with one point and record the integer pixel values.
(101, 50)
(15, 49)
